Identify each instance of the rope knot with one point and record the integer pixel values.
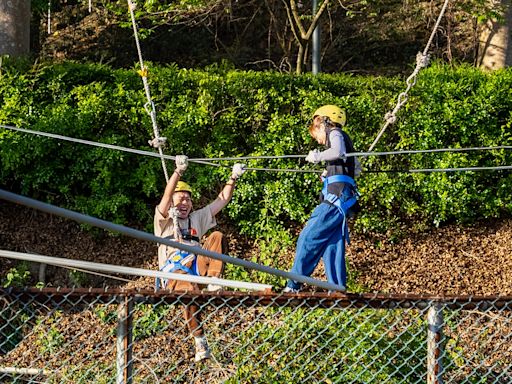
(390, 117)
(158, 142)
(173, 213)
(422, 60)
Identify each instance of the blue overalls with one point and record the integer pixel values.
(325, 234)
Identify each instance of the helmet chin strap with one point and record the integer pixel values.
(327, 125)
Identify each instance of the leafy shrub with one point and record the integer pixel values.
(220, 112)
(17, 277)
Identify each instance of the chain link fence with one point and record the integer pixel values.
(115, 336)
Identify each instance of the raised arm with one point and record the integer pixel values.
(166, 202)
(226, 194)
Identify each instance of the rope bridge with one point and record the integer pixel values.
(211, 161)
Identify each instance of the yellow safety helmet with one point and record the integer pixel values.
(183, 187)
(334, 113)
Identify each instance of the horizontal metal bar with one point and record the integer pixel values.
(110, 268)
(247, 299)
(18, 199)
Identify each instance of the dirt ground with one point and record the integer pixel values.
(474, 260)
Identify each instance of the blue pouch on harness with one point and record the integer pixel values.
(346, 201)
(177, 262)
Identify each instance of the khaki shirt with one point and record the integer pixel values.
(201, 220)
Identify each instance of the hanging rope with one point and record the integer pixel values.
(422, 60)
(49, 17)
(173, 212)
(158, 142)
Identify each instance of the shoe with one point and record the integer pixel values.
(290, 290)
(213, 287)
(202, 350)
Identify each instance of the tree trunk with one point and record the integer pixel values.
(14, 27)
(300, 59)
(495, 48)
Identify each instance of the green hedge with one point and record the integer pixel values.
(220, 112)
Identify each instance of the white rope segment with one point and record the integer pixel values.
(174, 214)
(158, 142)
(110, 268)
(49, 20)
(98, 144)
(422, 60)
(95, 273)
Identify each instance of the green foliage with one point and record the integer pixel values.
(94, 372)
(106, 313)
(49, 337)
(151, 13)
(18, 276)
(275, 350)
(460, 107)
(149, 320)
(220, 112)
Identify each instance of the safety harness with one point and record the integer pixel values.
(179, 259)
(347, 199)
(341, 173)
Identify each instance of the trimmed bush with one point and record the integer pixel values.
(219, 112)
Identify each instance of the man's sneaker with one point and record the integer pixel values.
(202, 350)
(290, 290)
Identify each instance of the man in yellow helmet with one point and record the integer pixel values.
(175, 219)
(326, 232)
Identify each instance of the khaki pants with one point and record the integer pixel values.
(216, 242)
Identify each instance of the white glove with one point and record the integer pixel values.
(238, 170)
(181, 163)
(313, 156)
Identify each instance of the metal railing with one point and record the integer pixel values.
(56, 335)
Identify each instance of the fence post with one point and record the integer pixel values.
(434, 349)
(124, 341)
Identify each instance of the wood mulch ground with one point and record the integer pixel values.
(471, 260)
(474, 260)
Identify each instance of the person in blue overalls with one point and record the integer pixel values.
(326, 231)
